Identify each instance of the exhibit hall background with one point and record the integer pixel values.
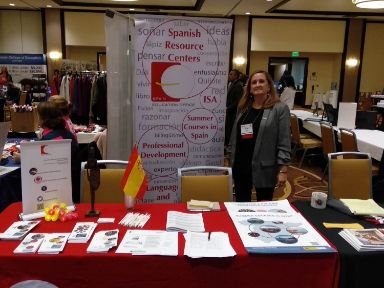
(22, 32)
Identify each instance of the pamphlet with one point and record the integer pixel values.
(30, 244)
(18, 230)
(183, 222)
(82, 232)
(364, 239)
(149, 242)
(53, 243)
(103, 241)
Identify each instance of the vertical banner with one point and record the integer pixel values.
(181, 84)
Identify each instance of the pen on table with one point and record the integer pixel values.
(209, 236)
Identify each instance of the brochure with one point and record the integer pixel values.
(18, 230)
(82, 232)
(103, 241)
(30, 244)
(53, 243)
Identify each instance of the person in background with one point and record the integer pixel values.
(289, 92)
(27, 85)
(65, 109)
(235, 91)
(55, 82)
(260, 143)
(5, 77)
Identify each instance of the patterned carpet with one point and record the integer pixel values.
(301, 184)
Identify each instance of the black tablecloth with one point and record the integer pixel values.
(357, 269)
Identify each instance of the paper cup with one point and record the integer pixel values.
(319, 200)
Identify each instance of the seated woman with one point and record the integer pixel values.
(65, 109)
(288, 95)
(53, 124)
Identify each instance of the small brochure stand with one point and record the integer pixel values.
(45, 176)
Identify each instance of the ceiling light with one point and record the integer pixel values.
(49, 6)
(12, 4)
(239, 60)
(123, 0)
(54, 55)
(369, 4)
(352, 62)
(247, 13)
(131, 9)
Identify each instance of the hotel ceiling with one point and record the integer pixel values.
(222, 8)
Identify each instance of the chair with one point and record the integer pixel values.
(302, 141)
(213, 184)
(349, 177)
(109, 190)
(328, 139)
(349, 144)
(348, 140)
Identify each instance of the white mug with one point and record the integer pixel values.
(319, 200)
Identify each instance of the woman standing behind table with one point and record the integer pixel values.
(260, 140)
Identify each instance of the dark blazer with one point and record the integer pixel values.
(272, 147)
(235, 91)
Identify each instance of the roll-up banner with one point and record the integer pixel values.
(181, 85)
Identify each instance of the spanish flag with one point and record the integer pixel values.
(134, 182)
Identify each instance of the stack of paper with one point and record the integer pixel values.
(18, 230)
(197, 205)
(30, 244)
(82, 232)
(212, 244)
(149, 242)
(364, 239)
(103, 241)
(183, 222)
(363, 207)
(53, 243)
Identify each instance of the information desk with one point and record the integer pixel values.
(357, 269)
(75, 268)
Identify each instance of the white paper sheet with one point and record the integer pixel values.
(210, 244)
(149, 242)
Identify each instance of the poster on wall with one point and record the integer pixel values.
(27, 72)
(181, 81)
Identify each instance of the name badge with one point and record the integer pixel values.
(246, 131)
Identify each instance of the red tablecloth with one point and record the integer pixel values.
(75, 268)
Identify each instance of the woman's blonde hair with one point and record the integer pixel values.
(247, 99)
(61, 103)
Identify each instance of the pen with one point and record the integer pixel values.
(209, 236)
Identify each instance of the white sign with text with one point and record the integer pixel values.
(45, 174)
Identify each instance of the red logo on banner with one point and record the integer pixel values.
(158, 93)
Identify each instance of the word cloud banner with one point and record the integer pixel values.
(181, 84)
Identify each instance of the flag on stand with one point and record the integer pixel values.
(134, 182)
